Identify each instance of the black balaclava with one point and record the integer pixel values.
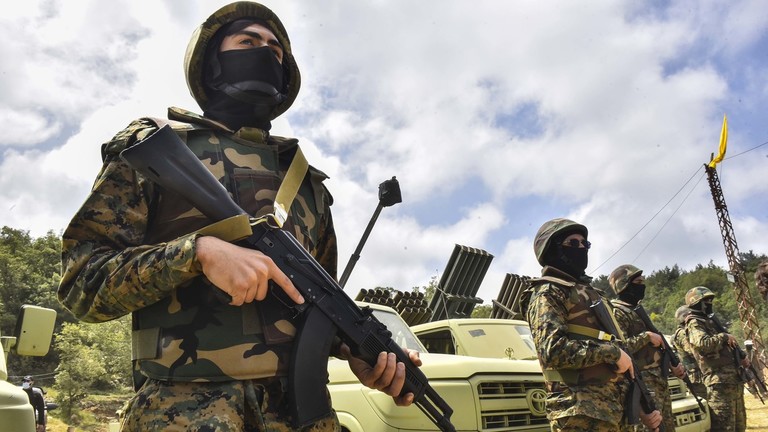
(633, 293)
(571, 260)
(243, 86)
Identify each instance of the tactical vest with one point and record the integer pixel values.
(711, 362)
(582, 325)
(192, 335)
(647, 357)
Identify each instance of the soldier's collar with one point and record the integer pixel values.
(255, 135)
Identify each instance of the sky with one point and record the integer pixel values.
(494, 116)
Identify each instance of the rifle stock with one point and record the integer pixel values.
(674, 359)
(166, 160)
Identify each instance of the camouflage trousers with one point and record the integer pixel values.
(582, 423)
(659, 387)
(726, 407)
(254, 405)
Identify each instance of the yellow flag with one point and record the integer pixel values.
(723, 143)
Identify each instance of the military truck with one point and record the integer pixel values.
(32, 337)
(485, 394)
(495, 338)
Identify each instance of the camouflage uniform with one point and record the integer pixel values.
(685, 352)
(647, 357)
(584, 391)
(202, 364)
(725, 390)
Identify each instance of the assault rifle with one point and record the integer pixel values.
(668, 352)
(638, 391)
(748, 374)
(327, 312)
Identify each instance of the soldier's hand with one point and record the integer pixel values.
(745, 363)
(679, 370)
(652, 421)
(655, 338)
(242, 273)
(732, 342)
(387, 376)
(625, 364)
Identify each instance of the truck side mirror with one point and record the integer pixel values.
(34, 328)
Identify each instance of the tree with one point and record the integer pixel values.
(93, 357)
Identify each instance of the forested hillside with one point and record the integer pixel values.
(87, 358)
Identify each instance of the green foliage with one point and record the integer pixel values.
(93, 356)
(482, 311)
(29, 274)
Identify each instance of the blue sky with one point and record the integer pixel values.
(494, 116)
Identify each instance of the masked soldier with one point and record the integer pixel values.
(583, 366)
(685, 351)
(202, 363)
(644, 346)
(713, 352)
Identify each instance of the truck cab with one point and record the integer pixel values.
(485, 394)
(495, 338)
(32, 337)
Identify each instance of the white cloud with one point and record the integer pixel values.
(596, 110)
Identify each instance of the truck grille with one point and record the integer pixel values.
(512, 406)
(686, 417)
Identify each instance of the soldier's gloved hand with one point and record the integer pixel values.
(679, 370)
(625, 364)
(655, 338)
(652, 420)
(387, 376)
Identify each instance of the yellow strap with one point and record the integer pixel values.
(289, 187)
(589, 332)
(615, 323)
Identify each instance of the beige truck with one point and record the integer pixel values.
(33, 338)
(485, 394)
(510, 339)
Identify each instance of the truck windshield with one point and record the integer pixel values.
(401, 333)
(502, 340)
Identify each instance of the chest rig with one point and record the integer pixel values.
(192, 335)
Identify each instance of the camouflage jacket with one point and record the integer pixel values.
(685, 352)
(711, 350)
(559, 301)
(131, 249)
(638, 343)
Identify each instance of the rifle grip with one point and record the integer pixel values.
(308, 375)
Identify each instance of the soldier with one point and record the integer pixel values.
(761, 280)
(203, 364)
(37, 400)
(725, 390)
(644, 346)
(685, 351)
(583, 367)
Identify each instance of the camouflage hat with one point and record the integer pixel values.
(552, 228)
(622, 276)
(194, 59)
(681, 314)
(697, 294)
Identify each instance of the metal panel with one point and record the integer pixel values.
(506, 306)
(455, 296)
